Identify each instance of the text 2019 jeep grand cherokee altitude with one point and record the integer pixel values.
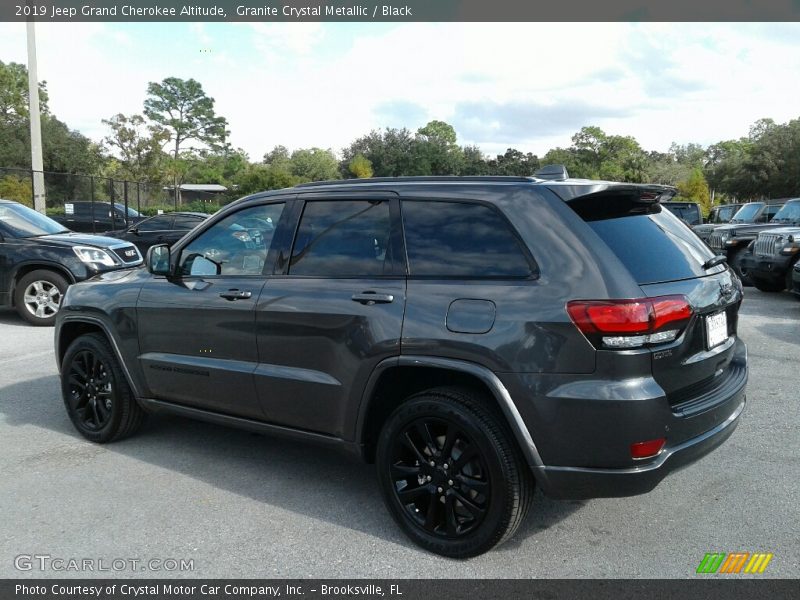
(472, 336)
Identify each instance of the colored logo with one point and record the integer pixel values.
(735, 562)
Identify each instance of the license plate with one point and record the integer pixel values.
(716, 329)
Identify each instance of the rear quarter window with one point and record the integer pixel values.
(652, 243)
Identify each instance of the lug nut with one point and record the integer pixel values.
(428, 478)
(433, 464)
(440, 490)
(449, 482)
(445, 465)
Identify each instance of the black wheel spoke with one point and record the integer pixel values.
(475, 510)
(466, 455)
(430, 516)
(409, 443)
(96, 417)
(405, 472)
(449, 440)
(409, 495)
(450, 515)
(80, 370)
(478, 485)
(73, 380)
(427, 438)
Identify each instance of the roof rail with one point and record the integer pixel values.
(420, 179)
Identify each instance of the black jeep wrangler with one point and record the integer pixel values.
(473, 337)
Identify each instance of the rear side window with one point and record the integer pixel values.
(457, 239)
(343, 238)
(652, 243)
(156, 223)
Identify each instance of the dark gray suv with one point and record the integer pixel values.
(474, 337)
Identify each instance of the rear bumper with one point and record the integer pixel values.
(577, 482)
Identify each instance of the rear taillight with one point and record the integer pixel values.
(647, 449)
(618, 324)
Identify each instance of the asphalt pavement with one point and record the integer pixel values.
(233, 504)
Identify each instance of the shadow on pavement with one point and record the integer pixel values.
(290, 475)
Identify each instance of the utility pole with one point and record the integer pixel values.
(37, 164)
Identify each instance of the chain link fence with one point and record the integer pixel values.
(132, 198)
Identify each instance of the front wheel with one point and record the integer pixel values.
(97, 396)
(451, 474)
(37, 296)
(739, 268)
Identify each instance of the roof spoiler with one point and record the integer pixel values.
(552, 173)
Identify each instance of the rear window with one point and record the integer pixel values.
(652, 243)
(688, 212)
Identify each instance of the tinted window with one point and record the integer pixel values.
(747, 213)
(655, 246)
(343, 239)
(159, 223)
(789, 214)
(237, 245)
(725, 213)
(688, 212)
(186, 222)
(457, 239)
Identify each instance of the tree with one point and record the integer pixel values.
(390, 152)
(514, 162)
(186, 112)
(360, 167)
(14, 93)
(435, 151)
(19, 189)
(314, 164)
(695, 189)
(138, 146)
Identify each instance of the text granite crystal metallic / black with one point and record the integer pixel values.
(473, 337)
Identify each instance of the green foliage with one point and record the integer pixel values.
(14, 93)
(19, 189)
(186, 112)
(139, 146)
(360, 167)
(314, 164)
(695, 189)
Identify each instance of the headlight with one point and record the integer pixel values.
(94, 256)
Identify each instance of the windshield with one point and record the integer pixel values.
(747, 214)
(23, 222)
(131, 212)
(790, 213)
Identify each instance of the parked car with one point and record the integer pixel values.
(473, 337)
(796, 280)
(97, 217)
(733, 239)
(769, 260)
(160, 229)
(688, 212)
(39, 259)
(719, 216)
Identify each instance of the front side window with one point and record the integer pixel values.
(236, 245)
(343, 238)
(160, 223)
(457, 239)
(186, 222)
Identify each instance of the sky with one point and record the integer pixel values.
(528, 86)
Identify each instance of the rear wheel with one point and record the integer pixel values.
(98, 398)
(451, 474)
(37, 296)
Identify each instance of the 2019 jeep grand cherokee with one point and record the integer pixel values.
(473, 337)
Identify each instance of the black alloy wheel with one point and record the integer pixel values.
(96, 393)
(440, 477)
(451, 473)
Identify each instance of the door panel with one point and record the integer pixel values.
(197, 328)
(324, 325)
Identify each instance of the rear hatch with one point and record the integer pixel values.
(671, 264)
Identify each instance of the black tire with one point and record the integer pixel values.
(96, 394)
(467, 506)
(736, 265)
(769, 285)
(789, 279)
(38, 295)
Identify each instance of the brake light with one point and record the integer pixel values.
(631, 323)
(647, 449)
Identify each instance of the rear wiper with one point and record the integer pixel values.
(714, 261)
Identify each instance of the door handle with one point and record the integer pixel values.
(236, 295)
(370, 298)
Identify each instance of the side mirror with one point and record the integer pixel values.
(134, 230)
(157, 259)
